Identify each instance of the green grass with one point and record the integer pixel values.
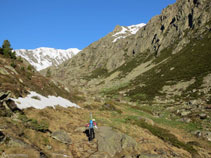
(114, 89)
(166, 136)
(99, 72)
(132, 63)
(164, 119)
(161, 133)
(193, 61)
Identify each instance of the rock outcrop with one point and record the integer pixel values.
(61, 136)
(7, 106)
(111, 142)
(172, 28)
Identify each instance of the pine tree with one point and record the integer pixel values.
(7, 50)
(6, 44)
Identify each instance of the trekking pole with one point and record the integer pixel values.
(91, 115)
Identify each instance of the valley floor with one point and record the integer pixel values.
(152, 129)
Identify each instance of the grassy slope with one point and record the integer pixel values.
(25, 79)
(194, 61)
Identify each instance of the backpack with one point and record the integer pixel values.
(90, 124)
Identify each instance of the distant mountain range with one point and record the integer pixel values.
(43, 57)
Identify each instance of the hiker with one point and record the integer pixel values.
(92, 124)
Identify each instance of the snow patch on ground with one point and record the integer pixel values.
(127, 31)
(40, 102)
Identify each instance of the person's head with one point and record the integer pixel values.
(93, 120)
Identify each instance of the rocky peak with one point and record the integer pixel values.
(118, 28)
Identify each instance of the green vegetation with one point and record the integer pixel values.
(166, 136)
(114, 89)
(146, 111)
(132, 63)
(30, 67)
(7, 51)
(22, 68)
(41, 126)
(13, 64)
(191, 62)
(99, 72)
(165, 117)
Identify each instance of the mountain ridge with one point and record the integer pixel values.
(176, 25)
(43, 57)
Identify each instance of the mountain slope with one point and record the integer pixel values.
(40, 131)
(149, 93)
(43, 57)
(165, 67)
(164, 36)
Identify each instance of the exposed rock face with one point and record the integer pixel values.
(7, 106)
(61, 136)
(111, 142)
(175, 25)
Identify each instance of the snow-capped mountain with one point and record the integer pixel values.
(44, 57)
(127, 31)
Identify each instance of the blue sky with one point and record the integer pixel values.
(66, 24)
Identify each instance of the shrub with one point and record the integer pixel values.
(29, 67)
(23, 68)
(13, 64)
(20, 59)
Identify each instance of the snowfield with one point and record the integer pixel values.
(43, 57)
(40, 102)
(127, 31)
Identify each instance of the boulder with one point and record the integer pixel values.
(13, 142)
(11, 105)
(203, 116)
(187, 120)
(4, 95)
(197, 133)
(147, 120)
(11, 69)
(100, 155)
(185, 113)
(2, 136)
(62, 137)
(4, 71)
(207, 135)
(112, 142)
